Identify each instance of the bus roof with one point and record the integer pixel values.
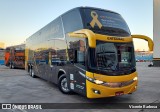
(79, 9)
(21, 46)
(76, 8)
(87, 7)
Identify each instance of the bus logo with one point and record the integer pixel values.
(95, 20)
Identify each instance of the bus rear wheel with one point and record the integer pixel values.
(11, 66)
(32, 73)
(62, 84)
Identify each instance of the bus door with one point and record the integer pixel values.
(76, 68)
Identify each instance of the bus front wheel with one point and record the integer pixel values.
(62, 84)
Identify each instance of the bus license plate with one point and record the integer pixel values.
(119, 93)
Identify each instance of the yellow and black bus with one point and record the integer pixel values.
(85, 50)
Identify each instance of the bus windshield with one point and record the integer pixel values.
(109, 57)
(106, 22)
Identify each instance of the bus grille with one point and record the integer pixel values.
(118, 84)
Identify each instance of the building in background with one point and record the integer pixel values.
(156, 32)
(143, 56)
(2, 56)
(1, 53)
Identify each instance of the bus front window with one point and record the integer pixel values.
(113, 58)
(112, 23)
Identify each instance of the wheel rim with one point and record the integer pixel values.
(64, 85)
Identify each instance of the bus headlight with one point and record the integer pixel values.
(94, 80)
(136, 78)
(98, 82)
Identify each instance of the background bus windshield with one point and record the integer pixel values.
(105, 22)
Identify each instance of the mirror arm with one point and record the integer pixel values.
(85, 33)
(149, 40)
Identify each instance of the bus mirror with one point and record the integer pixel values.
(149, 40)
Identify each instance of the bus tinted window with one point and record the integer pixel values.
(54, 29)
(105, 22)
(76, 50)
(50, 31)
(72, 21)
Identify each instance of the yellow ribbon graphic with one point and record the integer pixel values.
(95, 20)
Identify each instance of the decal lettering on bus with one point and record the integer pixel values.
(115, 38)
(95, 20)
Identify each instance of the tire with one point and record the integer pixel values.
(32, 73)
(62, 84)
(10, 66)
(13, 66)
(30, 70)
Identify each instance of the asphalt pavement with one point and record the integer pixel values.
(16, 86)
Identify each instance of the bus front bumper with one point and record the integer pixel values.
(100, 91)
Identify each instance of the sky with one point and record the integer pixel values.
(19, 19)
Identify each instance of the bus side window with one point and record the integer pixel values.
(77, 52)
(73, 17)
(80, 57)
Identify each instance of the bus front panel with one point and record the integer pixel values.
(111, 69)
(108, 86)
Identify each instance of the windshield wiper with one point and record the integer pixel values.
(111, 31)
(105, 52)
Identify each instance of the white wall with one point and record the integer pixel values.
(156, 28)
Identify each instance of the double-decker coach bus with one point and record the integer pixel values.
(86, 50)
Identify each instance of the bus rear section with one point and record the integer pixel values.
(15, 57)
(7, 55)
(91, 54)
